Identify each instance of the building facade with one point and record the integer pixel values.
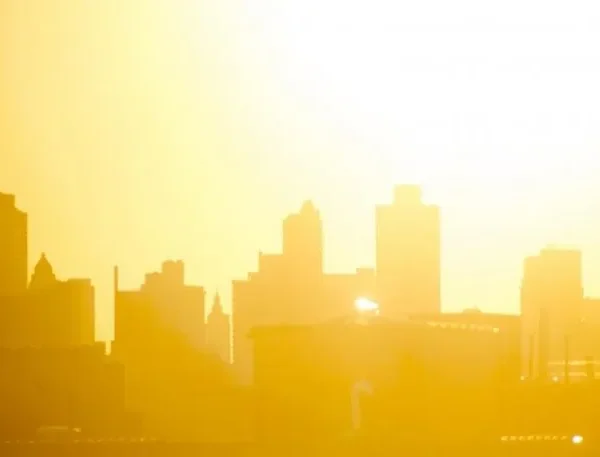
(408, 255)
(51, 313)
(291, 287)
(287, 288)
(61, 386)
(162, 302)
(13, 247)
(551, 307)
(508, 327)
(160, 340)
(418, 379)
(218, 331)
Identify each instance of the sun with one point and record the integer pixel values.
(364, 305)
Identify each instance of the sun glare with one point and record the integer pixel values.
(364, 305)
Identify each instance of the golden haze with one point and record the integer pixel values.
(143, 130)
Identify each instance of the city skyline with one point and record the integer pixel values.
(296, 232)
(299, 227)
(204, 120)
(105, 331)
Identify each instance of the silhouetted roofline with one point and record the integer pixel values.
(10, 200)
(466, 314)
(556, 247)
(376, 321)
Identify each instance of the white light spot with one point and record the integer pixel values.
(364, 305)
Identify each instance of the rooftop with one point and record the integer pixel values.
(358, 320)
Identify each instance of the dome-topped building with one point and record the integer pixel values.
(43, 274)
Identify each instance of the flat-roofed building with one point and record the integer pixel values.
(429, 376)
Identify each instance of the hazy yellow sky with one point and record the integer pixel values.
(135, 131)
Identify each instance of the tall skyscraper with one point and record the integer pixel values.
(408, 255)
(303, 240)
(551, 305)
(218, 333)
(13, 247)
(287, 288)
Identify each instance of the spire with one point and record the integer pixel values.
(217, 307)
(308, 207)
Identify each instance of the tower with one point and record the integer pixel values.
(13, 247)
(218, 332)
(303, 240)
(551, 303)
(408, 254)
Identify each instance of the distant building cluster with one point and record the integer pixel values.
(292, 288)
(560, 325)
(42, 311)
(557, 323)
(171, 353)
(55, 373)
(295, 341)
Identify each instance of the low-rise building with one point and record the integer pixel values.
(424, 377)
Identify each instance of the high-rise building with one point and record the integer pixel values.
(287, 287)
(551, 306)
(164, 295)
(13, 247)
(160, 339)
(218, 333)
(256, 300)
(408, 255)
(81, 294)
(303, 240)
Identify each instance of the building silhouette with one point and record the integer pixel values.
(75, 386)
(286, 288)
(508, 327)
(583, 362)
(164, 311)
(408, 255)
(46, 311)
(13, 247)
(218, 332)
(298, 339)
(176, 305)
(65, 310)
(303, 240)
(43, 276)
(588, 342)
(429, 378)
(340, 291)
(291, 288)
(160, 339)
(551, 309)
(50, 312)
